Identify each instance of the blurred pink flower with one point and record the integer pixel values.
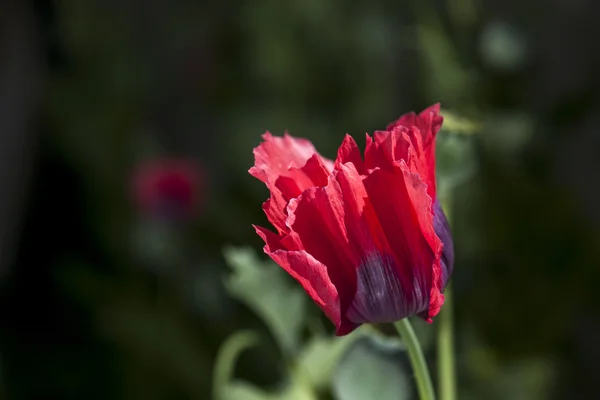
(167, 188)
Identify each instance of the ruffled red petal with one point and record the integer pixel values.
(316, 218)
(276, 155)
(308, 271)
(422, 130)
(312, 174)
(350, 153)
(287, 165)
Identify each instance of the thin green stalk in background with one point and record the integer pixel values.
(417, 359)
(445, 348)
(445, 338)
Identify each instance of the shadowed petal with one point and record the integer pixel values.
(442, 230)
(316, 217)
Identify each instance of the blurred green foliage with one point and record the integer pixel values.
(372, 372)
(266, 291)
(310, 364)
(103, 301)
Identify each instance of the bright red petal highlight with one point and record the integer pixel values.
(276, 155)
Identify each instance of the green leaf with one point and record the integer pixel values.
(264, 287)
(372, 369)
(227, 388)
(240, 390)
(226, 359)
(318, 360)
(297, 392)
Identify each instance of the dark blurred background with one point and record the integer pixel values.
(110, 291)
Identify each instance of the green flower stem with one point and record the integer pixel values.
(417, 359)
(445, 348)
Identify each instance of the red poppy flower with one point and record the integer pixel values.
(365, 237)
(167, 188)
